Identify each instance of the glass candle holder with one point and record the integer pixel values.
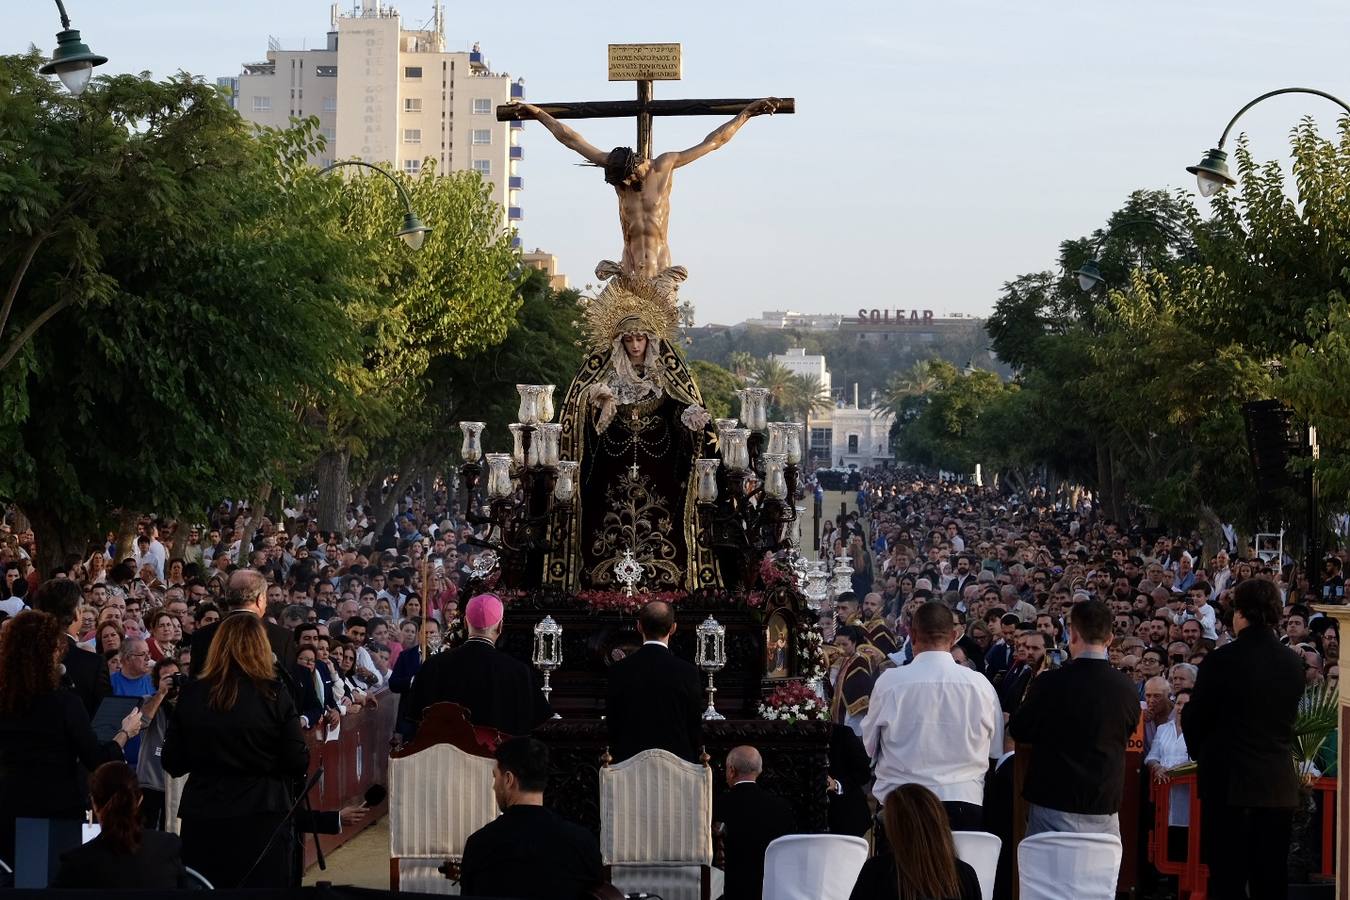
(777, 438)
(792, 441)
(735, 452)
(549, 437)
(529, 403)
(517, 443)
(546, 402)
(471, 450)
(499, 475)
(754, 407)
(775, 485)
(706, 470)
(566, 487)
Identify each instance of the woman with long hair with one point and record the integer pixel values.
(922, 863)
(124, 856)
(237, 732)
(45, 736)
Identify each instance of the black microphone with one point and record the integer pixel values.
(290, 814)
(375, 795)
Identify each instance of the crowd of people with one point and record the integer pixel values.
(977, 621)
(1058, 628)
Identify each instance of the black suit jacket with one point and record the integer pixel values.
(86, 675)
(279, 637)
(156, 865)
(851, 767)
(1239, 725)
(498, 690)
(1078, 718)
(530, 852)
(754, 818)
(44, 752)
(243, 760)
(653, 701)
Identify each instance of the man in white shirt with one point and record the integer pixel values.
(935, 723)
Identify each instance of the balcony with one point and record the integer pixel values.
(515, 183)
(517, 153)
(517, 91)
(514, 214)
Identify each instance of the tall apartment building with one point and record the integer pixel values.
(389, 95)
(797, 361)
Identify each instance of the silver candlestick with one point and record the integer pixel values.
(711, 656)
(548, 652)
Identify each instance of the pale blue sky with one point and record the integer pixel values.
(939, 148)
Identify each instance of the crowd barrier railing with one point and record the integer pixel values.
(1192, 874)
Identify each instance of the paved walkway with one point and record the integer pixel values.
(361, 862)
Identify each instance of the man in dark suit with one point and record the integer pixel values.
(653, 698)
(1239, 727)
(247, 595)
(497, 690)
(529, 851)
(998, 816)
(1078, 719)
(850, 773)
(86, 674)
(753, 818)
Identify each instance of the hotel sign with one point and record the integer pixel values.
(884, 317)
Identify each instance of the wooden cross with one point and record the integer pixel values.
(642, 63)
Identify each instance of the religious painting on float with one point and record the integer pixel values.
(778, 655)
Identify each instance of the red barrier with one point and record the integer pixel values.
(1193, 875)
(358, 759)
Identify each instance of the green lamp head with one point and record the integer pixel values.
(73, 62)
(413, 231)
(1211, 173)
(1089, 275)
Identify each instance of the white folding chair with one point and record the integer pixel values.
(438, 796)
(656, 825)
(199, 882)
(979, 850)
(813, 866)
(1057, 864)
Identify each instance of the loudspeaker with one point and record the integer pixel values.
(1273, 438)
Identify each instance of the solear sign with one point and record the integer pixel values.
(883, 316)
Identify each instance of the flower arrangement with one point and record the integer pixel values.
(792, 702)
(619, 601)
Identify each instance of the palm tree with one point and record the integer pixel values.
(740, 362)
(806, 396)
(769, 373)
(917, 381)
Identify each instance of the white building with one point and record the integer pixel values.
(782, 319)
(798, 362)
(388, 95)
(851, 437)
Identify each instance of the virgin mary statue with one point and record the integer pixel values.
(634, 418)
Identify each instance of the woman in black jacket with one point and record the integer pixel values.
(123, 856)
(237, 732)
(45, 736)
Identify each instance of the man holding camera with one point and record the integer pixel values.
(155, 713)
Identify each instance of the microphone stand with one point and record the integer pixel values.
(290, 815)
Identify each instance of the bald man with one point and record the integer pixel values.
(247, 595)
(753, 818)
(653, 699)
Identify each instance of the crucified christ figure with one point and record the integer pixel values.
(643, 186)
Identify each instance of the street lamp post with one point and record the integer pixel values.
(413, 231)
(73, 62)
(1090, 273)
(1211, 173)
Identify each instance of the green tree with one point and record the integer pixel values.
(774, 377)
(188, 316)
(805, 397)
(718, 387)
